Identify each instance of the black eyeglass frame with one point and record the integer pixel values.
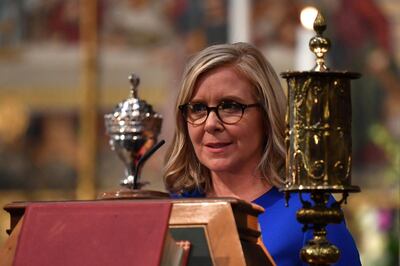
(184, 107)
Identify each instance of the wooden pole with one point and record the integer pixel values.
(86, 188)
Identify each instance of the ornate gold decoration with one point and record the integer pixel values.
(318, 145)
(319, 45)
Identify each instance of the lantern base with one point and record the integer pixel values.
(321, 188)
(319, 252)
(317, 215)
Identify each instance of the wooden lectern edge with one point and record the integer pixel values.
(261, 244)
(215, 222)
(7, 251)
(218, 218)
(229, 205)
(18, 207)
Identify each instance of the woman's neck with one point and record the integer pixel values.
(246, 187)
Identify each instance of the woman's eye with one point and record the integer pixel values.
(198, 108)
(230, 106)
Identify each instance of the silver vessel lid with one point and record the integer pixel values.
(133, 115)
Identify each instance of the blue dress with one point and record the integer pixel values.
(283, 236)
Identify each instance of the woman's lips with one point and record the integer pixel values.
(217, 146)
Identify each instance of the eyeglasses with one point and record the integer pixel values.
(229, 112)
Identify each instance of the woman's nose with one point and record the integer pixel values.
(213, 123)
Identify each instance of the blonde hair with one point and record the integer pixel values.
(183, 171)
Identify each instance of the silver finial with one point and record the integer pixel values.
(135, 81)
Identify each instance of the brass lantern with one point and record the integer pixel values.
(318, 145)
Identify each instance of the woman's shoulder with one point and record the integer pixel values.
(277, 199)
(274, 198)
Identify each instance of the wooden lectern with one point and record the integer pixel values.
(134, 232)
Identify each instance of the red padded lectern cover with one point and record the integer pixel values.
(93, 233)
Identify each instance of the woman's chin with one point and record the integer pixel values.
(221, 166)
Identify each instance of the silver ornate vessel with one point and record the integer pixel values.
(133, 128)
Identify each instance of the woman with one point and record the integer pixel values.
(229, 142)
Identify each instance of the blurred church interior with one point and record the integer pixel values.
(64, 64)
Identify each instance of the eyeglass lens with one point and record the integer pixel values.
(227, 112)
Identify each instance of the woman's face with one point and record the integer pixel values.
(220, 147)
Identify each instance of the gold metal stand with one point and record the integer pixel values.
(318, 142)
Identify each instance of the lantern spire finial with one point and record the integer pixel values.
(319, 45)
